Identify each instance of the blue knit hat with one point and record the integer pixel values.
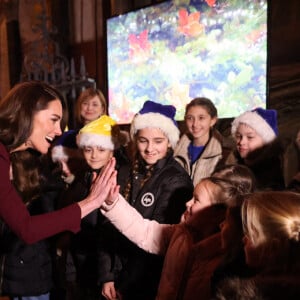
(263, 121)
(156, 115)
(65, 147)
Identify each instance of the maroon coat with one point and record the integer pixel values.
(197, 257)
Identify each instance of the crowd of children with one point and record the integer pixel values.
(182, 216)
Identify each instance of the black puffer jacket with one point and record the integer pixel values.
(26, 270)
(162, 198)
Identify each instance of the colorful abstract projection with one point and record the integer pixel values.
(175, 51)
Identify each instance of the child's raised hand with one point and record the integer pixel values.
(113, 195)
(103, 183)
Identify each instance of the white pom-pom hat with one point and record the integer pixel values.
(65, 147)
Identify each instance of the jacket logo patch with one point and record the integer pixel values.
(147, 199)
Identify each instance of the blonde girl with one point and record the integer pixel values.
(272, 230)
(271, 223)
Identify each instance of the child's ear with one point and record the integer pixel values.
(213, 121)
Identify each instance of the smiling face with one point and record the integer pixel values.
(247, 140)
(199, 122)
(152, 144)
(202, 198)
(91, 109)
(96, 157)
(46, 126)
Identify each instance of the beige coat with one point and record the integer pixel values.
(215, 154)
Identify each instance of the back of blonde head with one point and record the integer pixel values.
(272, 215)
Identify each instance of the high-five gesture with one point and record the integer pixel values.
(101, 188)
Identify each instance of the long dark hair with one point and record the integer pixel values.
(17, 111)
(18, 108)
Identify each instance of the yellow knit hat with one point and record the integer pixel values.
(97, 133)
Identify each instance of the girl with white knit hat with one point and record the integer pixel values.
(156, 186)
(258, 146)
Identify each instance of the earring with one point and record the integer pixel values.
(28, 143)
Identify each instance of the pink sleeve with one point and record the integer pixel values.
(149, 235)
(15, 215)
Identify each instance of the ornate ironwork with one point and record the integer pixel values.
(44, 61)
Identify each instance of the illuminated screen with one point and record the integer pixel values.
(175, 51)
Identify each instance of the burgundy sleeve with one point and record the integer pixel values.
(15, 215)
